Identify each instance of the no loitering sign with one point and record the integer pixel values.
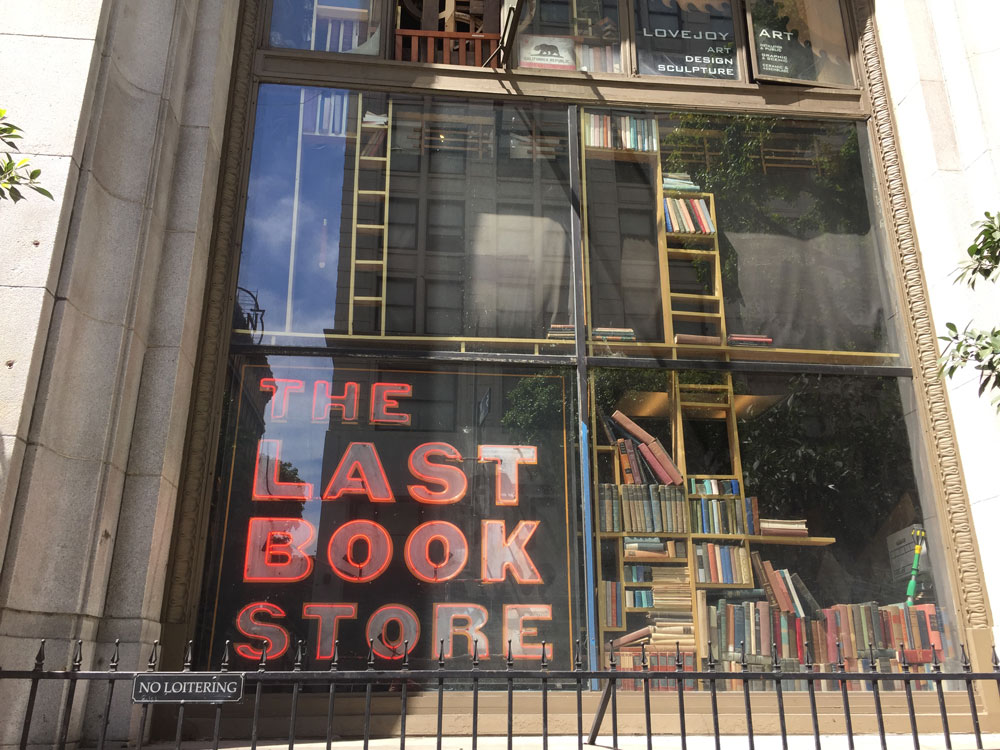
(173, 687)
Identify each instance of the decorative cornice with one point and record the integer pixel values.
(195, 492)
(944, 457)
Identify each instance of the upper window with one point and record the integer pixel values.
(801, 41)
(404, 218)
(797, 41)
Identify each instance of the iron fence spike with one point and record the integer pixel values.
(78, 655)
(299, 655)
(154, 657)
(188, 655)
(40, 656)
(224, 667)
(406, 654)
(113, 664)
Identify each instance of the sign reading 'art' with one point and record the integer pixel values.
(384, 509)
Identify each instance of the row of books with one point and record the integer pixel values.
(599, 59)
(639, 598)
(713, 515)
(638, 450)
(722, 563)
(690, 215)
(713, 486)
(567, 332)
(619, 131)
(785, 591)
(647, 508)
(863, 630)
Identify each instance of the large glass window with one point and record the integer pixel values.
(401, 218)
(403, 459)
(371, 501)
(752, 234)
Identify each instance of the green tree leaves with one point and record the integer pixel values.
(16, 176)
(974, 346)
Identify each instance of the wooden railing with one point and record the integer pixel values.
(451, 47)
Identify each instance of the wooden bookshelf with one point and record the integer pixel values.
(712, 401)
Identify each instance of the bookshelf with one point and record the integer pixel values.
(683, 543)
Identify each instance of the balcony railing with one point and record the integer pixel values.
(450, 47)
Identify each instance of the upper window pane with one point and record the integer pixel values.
(800, 40)
(732, 236)
(693, 40)
(406, 219)
(569, 35)
(327, 25)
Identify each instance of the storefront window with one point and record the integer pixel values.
(402, 460)
(758, 512)
(407, 219)
(373, 502)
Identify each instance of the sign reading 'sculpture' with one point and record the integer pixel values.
(377, 511)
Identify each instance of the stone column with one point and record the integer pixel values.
(106, 327)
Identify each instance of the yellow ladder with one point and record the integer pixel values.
(371, 153)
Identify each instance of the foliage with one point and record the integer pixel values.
(976, 346)
(15, 176)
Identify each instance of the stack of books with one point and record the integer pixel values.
(609, 333)
(783, 527)
(748, 339)
(641, 455)
(561, 331)
(679, 182)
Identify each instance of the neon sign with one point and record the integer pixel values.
(353, 522)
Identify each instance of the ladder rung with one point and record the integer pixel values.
(370, 227)
(689, 315)
(371, 158)
(368, 300)
(369, 262)
(373, 193)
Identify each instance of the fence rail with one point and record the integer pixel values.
(541, 683)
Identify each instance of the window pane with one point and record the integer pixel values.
(761, 509)
(801, 40)
(396, 219)
(366, 500)
(733, 236)
(569, 35)
(695, 39)
(327, 25)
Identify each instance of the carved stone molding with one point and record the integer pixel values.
(930, 388)
(202, 437)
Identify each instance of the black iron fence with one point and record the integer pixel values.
(828, 699)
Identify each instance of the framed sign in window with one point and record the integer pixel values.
(800, 41)
(692, 40)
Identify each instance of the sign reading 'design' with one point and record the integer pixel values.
(157, 687)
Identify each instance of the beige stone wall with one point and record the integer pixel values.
(123, 103)
(940, 61)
